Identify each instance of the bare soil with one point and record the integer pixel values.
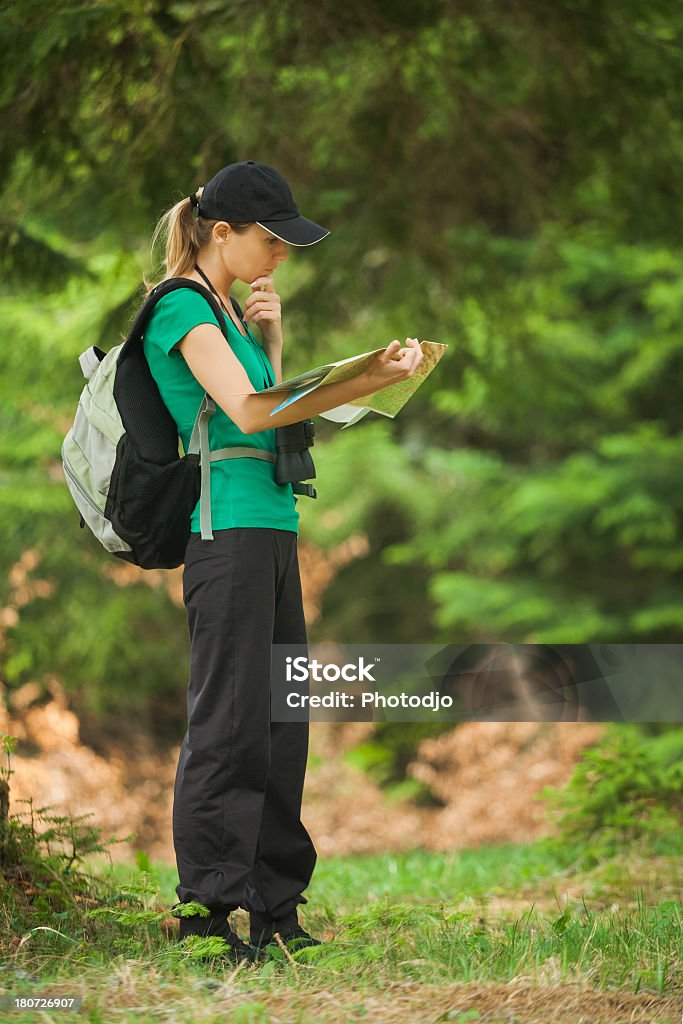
(487, 774)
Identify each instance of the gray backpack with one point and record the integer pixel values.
(121, 457)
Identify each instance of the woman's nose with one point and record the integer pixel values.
(283, 254)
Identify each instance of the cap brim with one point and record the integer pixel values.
(296, 230)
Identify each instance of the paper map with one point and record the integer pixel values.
(387, 401)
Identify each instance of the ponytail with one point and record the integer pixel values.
(183, 235)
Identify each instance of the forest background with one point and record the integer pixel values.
(501, 178)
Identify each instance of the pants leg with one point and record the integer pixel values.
(285, 855)
(235, 588)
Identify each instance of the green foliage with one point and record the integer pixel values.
(134, 909)
(570, 509)
(8, 745)
(199, 947)
(385, 756)
(500, 180)
(635, 948)
(626, 790)
(48, 897)
(414, 918)
(43, 886)
(191, 909)
(131, 916)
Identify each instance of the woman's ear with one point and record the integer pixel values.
(221, 232)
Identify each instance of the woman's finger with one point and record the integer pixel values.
(412, 358)
(264, 284)
(261, 305)
(265, 314)
(390, 351)
(261, 296)
(412, 352)
(264, 318)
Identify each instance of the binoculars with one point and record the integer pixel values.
(294, 462)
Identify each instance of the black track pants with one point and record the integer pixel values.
(237, 829)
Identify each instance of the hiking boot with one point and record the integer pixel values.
(263, 931)
(296, 938)
(217, 925)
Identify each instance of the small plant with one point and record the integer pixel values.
(43, 888)
(191, 909)
(134, 907)
(621, 793)
(7, 744)
(46, 898)
(201, 946)
(386, 755)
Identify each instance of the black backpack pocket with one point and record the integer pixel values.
(150, 505)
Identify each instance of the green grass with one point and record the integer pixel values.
(512, 914)
(417, 876)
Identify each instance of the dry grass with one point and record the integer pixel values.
(134, 992)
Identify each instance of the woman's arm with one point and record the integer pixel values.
(221, 374)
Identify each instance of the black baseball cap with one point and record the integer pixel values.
(252, 192)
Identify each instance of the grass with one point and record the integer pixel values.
(502, 934)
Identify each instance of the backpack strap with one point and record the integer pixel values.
(137, 329)
(199, 441)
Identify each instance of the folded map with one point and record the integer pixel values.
(387, 401)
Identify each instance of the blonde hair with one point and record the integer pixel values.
(182, 235)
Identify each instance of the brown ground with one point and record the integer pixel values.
(127, 990)
(513, 1003)
(486, 773)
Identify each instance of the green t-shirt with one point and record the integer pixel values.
(243, 491)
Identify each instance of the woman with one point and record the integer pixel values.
(238, 835)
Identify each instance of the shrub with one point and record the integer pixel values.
(627, 789)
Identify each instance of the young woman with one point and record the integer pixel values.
(238, 835)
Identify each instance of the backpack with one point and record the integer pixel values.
(121, 457)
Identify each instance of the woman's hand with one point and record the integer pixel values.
(392, 365)
(263, 308)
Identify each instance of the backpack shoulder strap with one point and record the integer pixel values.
(164, 288)
(199, 442)
(236, 306)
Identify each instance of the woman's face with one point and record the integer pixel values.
(252, 253)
